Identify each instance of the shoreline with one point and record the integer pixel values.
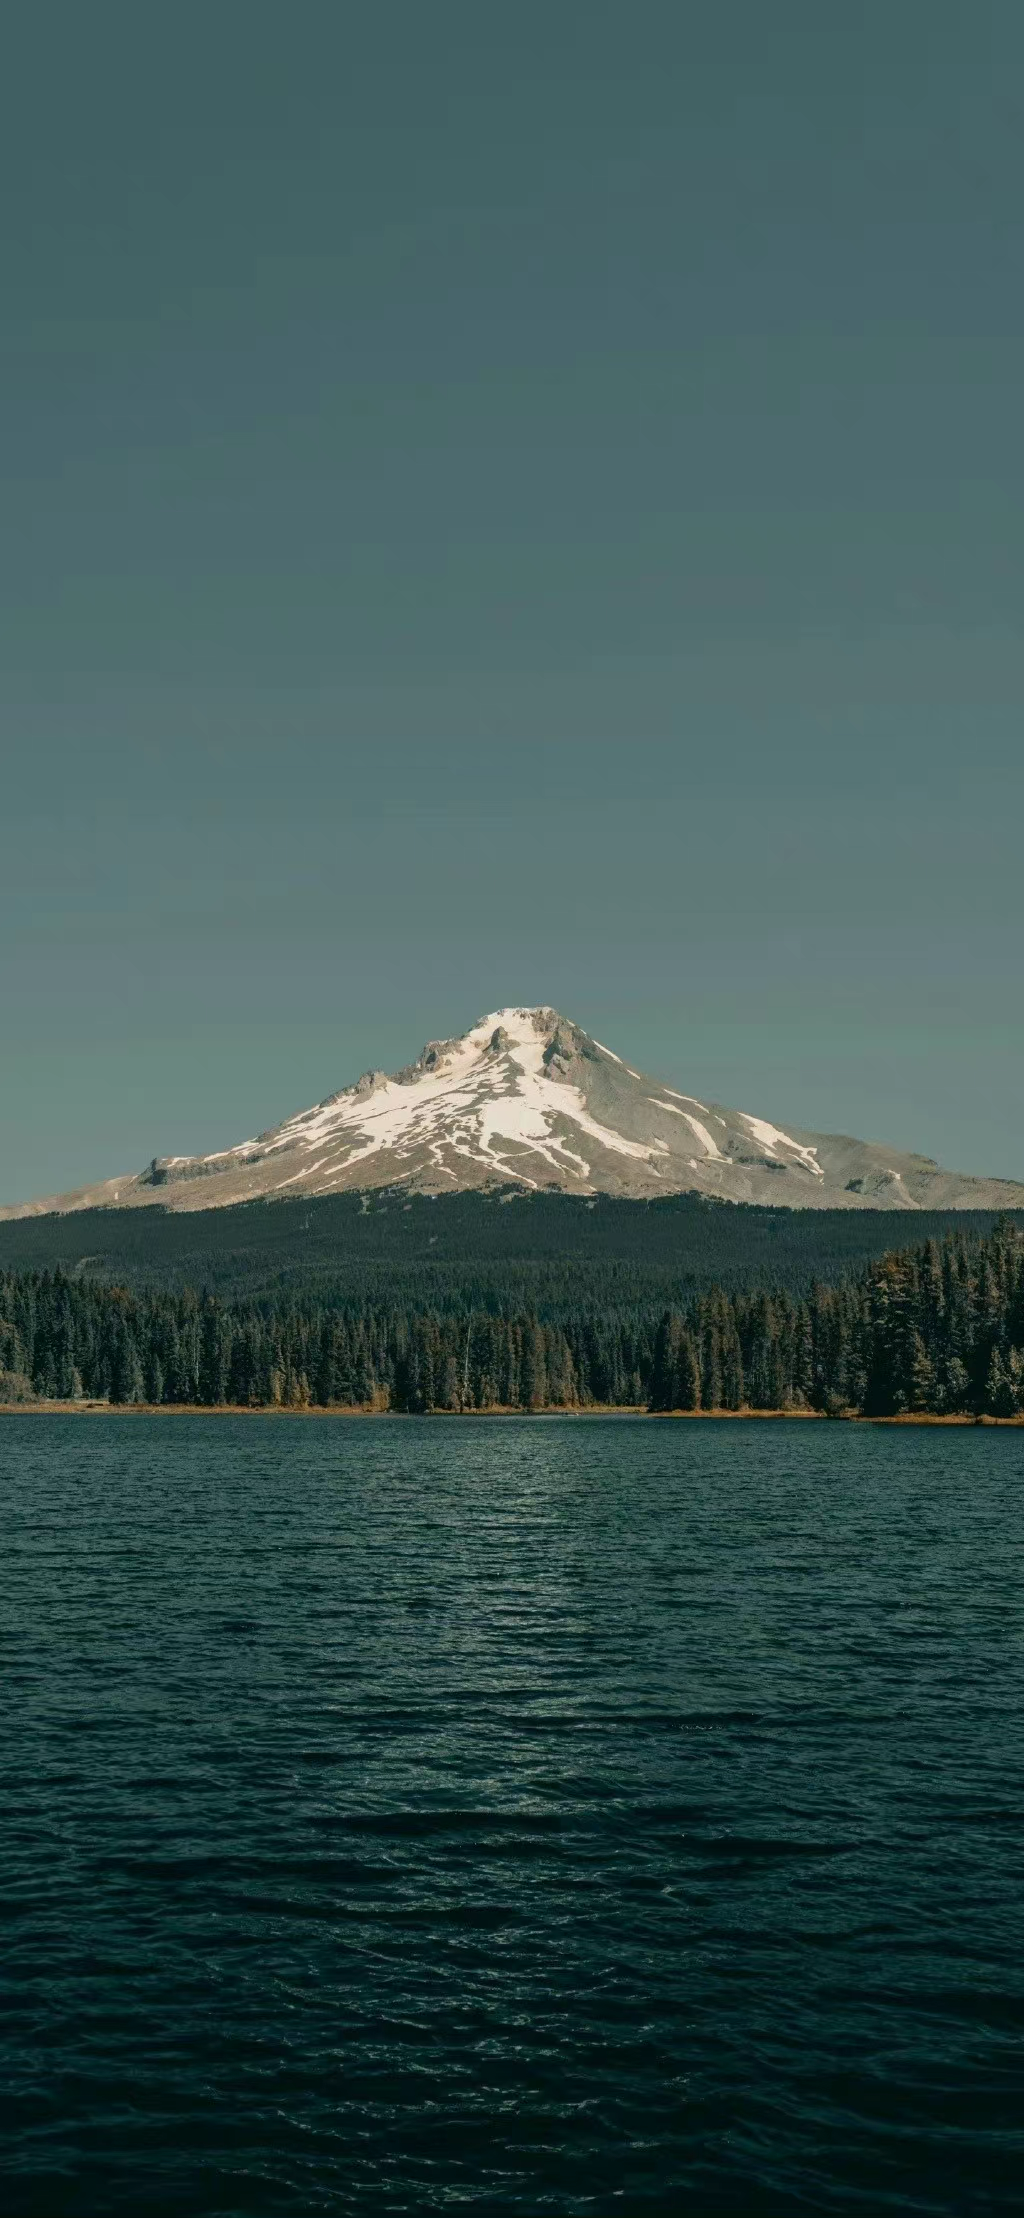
(44, 1408)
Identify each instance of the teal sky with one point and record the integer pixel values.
(510, 504)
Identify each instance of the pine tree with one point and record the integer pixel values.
(665, 1365)
(711, 1370)
(687, 1375)
(921, 1385)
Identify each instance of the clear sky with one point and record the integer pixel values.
(509, 504)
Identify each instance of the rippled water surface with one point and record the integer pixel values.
(526, 1816)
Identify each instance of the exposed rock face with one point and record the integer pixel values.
(528, 1099)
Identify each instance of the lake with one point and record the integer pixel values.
(510, 1816)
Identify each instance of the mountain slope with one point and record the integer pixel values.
(527, 1099)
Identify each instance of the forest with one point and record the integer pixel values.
(938, 1328)
(499, 1248)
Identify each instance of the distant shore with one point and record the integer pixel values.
(44, 1408)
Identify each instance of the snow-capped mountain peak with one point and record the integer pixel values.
(527, 1099)
(503, 1092)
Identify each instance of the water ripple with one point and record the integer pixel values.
(519, 1816)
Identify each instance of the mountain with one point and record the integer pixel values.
(526, 1099)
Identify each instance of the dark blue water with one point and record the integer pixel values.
(518, 1816)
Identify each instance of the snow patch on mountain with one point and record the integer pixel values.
(773, 1140)
(702, 1105)
(701, 1133)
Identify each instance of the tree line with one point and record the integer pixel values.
(939, 1328)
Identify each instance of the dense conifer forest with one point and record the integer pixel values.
(498, 1249)
(938, 1328)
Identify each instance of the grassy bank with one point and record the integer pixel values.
(41, 1407)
